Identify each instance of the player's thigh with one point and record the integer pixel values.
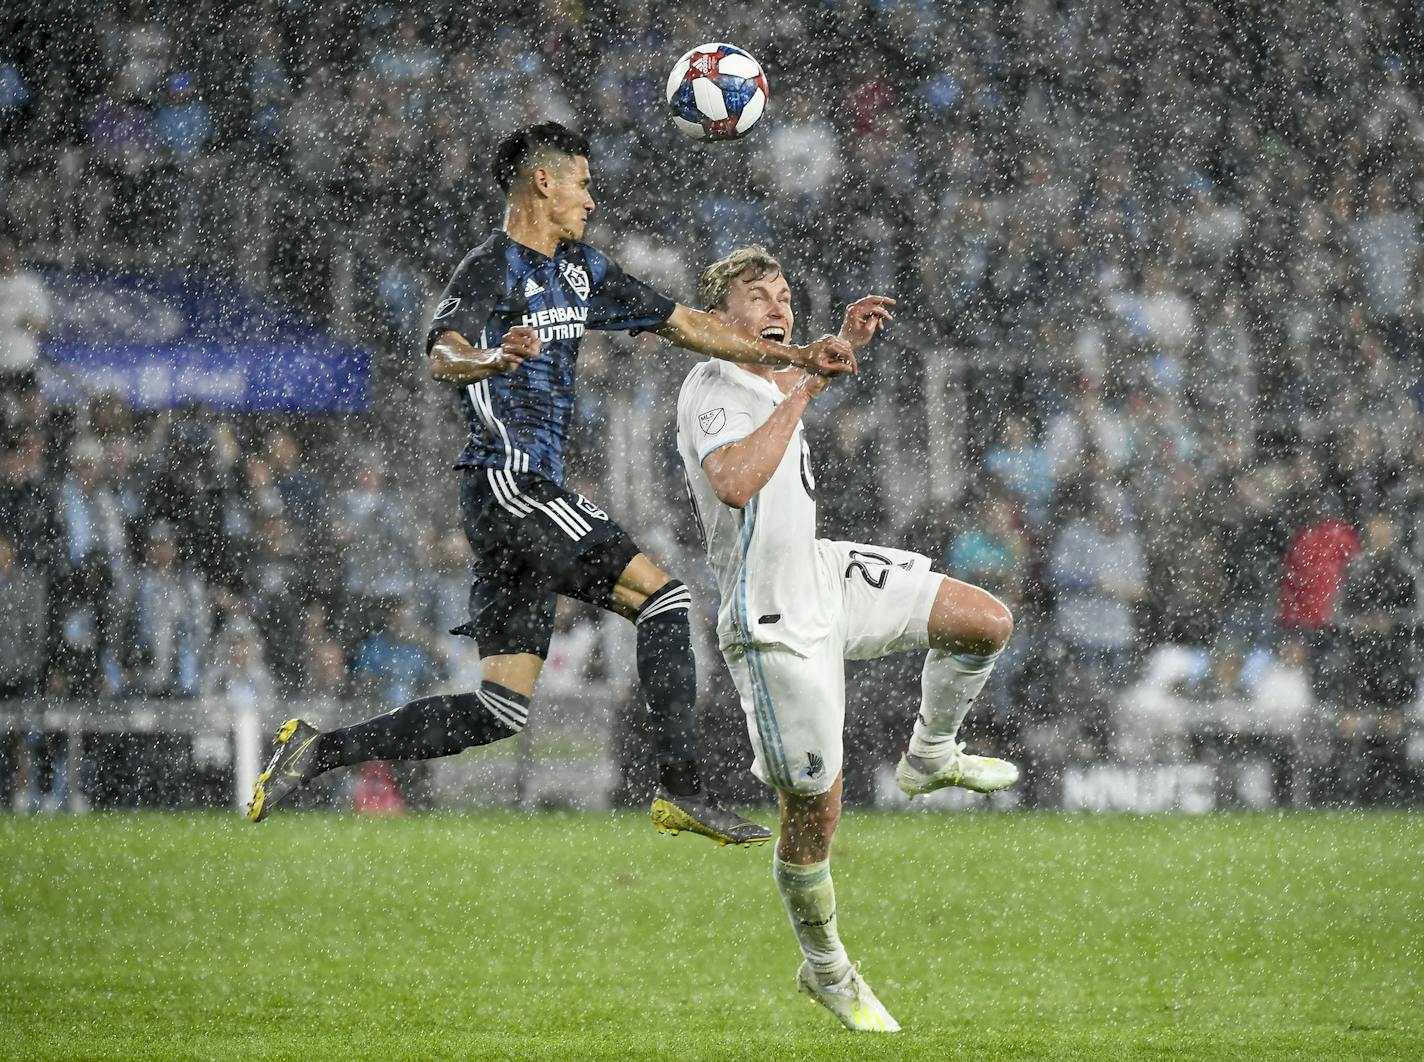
(795, 711)
(887, 595)
(527, 531)
(638, 581)
(510, 621)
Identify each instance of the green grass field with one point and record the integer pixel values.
(559, 936)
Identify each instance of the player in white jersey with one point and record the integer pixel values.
(795, 607)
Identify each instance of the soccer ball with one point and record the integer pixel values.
(716, 92)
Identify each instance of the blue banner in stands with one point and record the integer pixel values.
(159, 341)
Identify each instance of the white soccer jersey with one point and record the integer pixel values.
(768, 570)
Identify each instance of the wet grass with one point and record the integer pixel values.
(588, 936)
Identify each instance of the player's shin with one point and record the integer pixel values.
(810, 899)
(948, 685)
(668, 674)
(429, 727)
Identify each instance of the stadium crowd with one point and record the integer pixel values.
(1173, 262)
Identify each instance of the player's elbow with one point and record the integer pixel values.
(735, 496)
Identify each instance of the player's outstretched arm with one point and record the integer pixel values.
(864, 318)
(739, 470)
(454, 359)
(708, 334)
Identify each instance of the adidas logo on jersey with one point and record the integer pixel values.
(532, 287)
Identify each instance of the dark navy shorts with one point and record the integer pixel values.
(533, 540)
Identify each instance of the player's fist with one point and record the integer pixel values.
(865, 317)
(520, 342)
(829, 356)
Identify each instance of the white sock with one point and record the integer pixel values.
(948, 686)
(810, 900)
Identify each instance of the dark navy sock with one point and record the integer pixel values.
(668, 674)
(428, 727)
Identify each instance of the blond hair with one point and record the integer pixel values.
(717, 278)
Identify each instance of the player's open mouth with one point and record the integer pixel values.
(776, 335)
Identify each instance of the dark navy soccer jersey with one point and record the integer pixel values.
(519, 421)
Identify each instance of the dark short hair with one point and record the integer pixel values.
(517, 149)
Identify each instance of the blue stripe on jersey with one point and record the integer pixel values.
(763, 707)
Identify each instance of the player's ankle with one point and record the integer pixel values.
(930, 749)
(680, 778)
(830, 973)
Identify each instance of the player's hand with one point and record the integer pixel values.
(864, 318)
(829, 356)
(520, 342)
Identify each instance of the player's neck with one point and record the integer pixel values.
(531, 229)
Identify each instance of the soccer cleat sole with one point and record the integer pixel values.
(670, 819)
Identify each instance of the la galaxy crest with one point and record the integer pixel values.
(577, 277)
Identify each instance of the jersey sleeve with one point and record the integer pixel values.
(715, 413)
(623, 302)
(470, 297)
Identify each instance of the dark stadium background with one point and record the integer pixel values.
(1155, 377)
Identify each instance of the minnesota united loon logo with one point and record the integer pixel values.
(814, 765)
(577, 276)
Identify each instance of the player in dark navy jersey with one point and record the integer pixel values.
(506, 334)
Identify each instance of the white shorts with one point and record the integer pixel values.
(795, 704)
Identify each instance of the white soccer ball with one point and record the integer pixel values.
(716, 92)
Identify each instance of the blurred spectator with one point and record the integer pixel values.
(1378, 620)
(93, 575)
(183, 122)
(376, 544)
(1096, 572)
(23, 612)
(323, 666)
(171, 623)
(24, 318)
(238, 674)
(395, 663)
(1024, 469)
(991, 553)
(1321, 546)
(302, 493)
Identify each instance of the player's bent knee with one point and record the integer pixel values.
(1000, 623)
(968, 619)
(669, 603)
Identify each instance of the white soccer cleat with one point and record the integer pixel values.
(983, 774)
(849, 999)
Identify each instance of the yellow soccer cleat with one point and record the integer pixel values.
(291, 767)
(702, 815)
